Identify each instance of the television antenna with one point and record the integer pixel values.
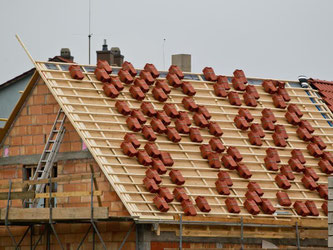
(90, 34)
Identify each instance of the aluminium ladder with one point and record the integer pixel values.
(49, 154)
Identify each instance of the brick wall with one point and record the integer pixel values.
(109, 198)
(30, 130)
(27, 136)
(70, 236)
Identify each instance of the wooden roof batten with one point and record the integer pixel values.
(96, 120)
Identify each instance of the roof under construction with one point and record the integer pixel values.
(247, 139)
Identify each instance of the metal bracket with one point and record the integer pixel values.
(93, 225)
(297, 237)
(50, 217)
(242, 233)
(7, 211)
(126, 236)
(180, 232)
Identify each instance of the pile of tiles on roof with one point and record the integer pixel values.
(161, 124)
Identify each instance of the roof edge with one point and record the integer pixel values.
(5, 84)
(18, 106)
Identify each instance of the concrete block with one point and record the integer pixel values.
(330, 217)
(330, 206)
(330, 193)
(330, 181)
(330, 229)
(330, 241)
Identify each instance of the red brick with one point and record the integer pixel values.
(22, 130)
(50, 99)
(36, 130)
(30, 150)
(27, 140)
(48, 109)
(13, 151)
(35, 110)
(51, 118)
(104, 186)
(76, 199)
(9, 174)
(30, 101)
(69, 126)
(40, 148)
(14, 131)
(65, 147)
(75, 187)
(47, 129)
(42, 89)
(69, 169)
(25, 120)
(24, 111)
(33, 120)
(19, 173)
(39, 99)
(66, 137)
(81, 168)
(38, 139)
(41, 119)
(74, 136)
(16, 203)
(86, 199)
(76, 146)
(16, 140)
(110, 196)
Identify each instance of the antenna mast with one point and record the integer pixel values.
(163, 54)
(89, 35)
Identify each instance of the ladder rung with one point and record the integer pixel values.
(40, 171)
(48, 151)
(52, 141)
(55, 130)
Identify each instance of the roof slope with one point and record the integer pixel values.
(102, 128)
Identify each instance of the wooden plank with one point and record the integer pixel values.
(68, 178)
(42, 214)
(304, 222)
(249, 232)
(68, 194)
(18, 195)
(32, 195)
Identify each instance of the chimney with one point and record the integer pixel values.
(118, 58)
(113, 56)
(105, 54)
(65, 56)
(183, 61)
(66, 53)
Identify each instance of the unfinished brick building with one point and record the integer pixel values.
(247, 170)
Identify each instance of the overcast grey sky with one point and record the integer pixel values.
(269, 39)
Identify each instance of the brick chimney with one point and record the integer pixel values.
(183, 61)
(113, 56)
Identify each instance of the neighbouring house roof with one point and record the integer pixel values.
(60, 59)
(325, 89)
(10, 93)
(97, 120)
(18, 105)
